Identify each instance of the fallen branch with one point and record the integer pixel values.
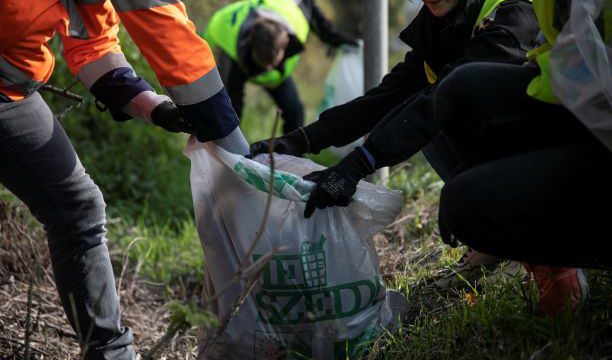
(67, 95)
(28, 324)
(247, 271)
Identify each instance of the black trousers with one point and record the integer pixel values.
(533, 184)
(285, 96)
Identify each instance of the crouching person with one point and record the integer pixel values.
(533, 185)
(397, 113)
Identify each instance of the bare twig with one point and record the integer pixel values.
(67, 95)
(251, 271)
(17, 342)
(59, 330)
(246, 290)
(63, 92)
(28, 325)
(31, 241)
(264, 221)
(126, 262)
(400, 220)
(246, 259)
(248, 271)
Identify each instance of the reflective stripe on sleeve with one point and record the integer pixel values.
(76, 27)
(93, 71)
(202, 89)
(13, 78)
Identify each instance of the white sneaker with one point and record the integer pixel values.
(474, 266)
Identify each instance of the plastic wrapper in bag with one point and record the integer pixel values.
(323, 297)
(581, 60)
(343, 83)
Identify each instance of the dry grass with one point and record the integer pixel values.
(23, 253)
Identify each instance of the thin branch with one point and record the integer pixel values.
(264, 221)
(247, 271)
(246, 290)
(28, 325)
(63, 92)
(67, 95)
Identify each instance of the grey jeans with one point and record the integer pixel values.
(39, 165)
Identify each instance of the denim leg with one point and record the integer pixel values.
(39, 165)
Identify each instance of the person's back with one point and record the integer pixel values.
(397, 113)
(261, 42)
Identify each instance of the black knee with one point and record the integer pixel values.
(462, 217)
(456, 96)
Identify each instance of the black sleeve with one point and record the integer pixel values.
(411, 127)
(403, 132)
(345, 123)
(506, 39)
(324, 28)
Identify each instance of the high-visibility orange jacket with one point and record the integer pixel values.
(182, 61)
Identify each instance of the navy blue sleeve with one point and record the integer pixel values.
(116, 88)
(213, 118)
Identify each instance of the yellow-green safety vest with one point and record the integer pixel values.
(224, 28)
(540, 87)
(487, 8)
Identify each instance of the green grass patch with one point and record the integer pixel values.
(164, 252)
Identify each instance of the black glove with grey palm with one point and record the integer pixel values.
(167, 116)
(337, 184)
(295, 143)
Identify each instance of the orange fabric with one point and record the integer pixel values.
(37, 22)
(102, 24)
(26, 28)
(164, 35)
(167, 39)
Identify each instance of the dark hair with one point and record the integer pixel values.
(267, 38)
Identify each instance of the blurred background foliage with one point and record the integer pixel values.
(140, 168)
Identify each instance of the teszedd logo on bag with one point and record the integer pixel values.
(323, 298)
(294, 289)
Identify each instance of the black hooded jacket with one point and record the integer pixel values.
(398, 111)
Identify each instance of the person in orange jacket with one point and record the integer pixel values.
(40, 166)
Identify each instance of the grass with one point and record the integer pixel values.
(497, 321)
(500, 322)
(163, 252)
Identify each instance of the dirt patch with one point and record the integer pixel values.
(27, 286)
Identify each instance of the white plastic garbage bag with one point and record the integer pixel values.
(581, 63)
(344, 82)
(322, 296)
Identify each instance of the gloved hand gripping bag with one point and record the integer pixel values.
(323, 297)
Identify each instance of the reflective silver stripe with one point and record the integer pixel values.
(13, 78)
(199, 90)
(76, 26)
(91, 72)
(129, 5)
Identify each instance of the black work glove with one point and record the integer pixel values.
(167, 116)
(337, 184)
(295, 143)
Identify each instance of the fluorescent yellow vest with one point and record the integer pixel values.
(224, 28)
(540, 87)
